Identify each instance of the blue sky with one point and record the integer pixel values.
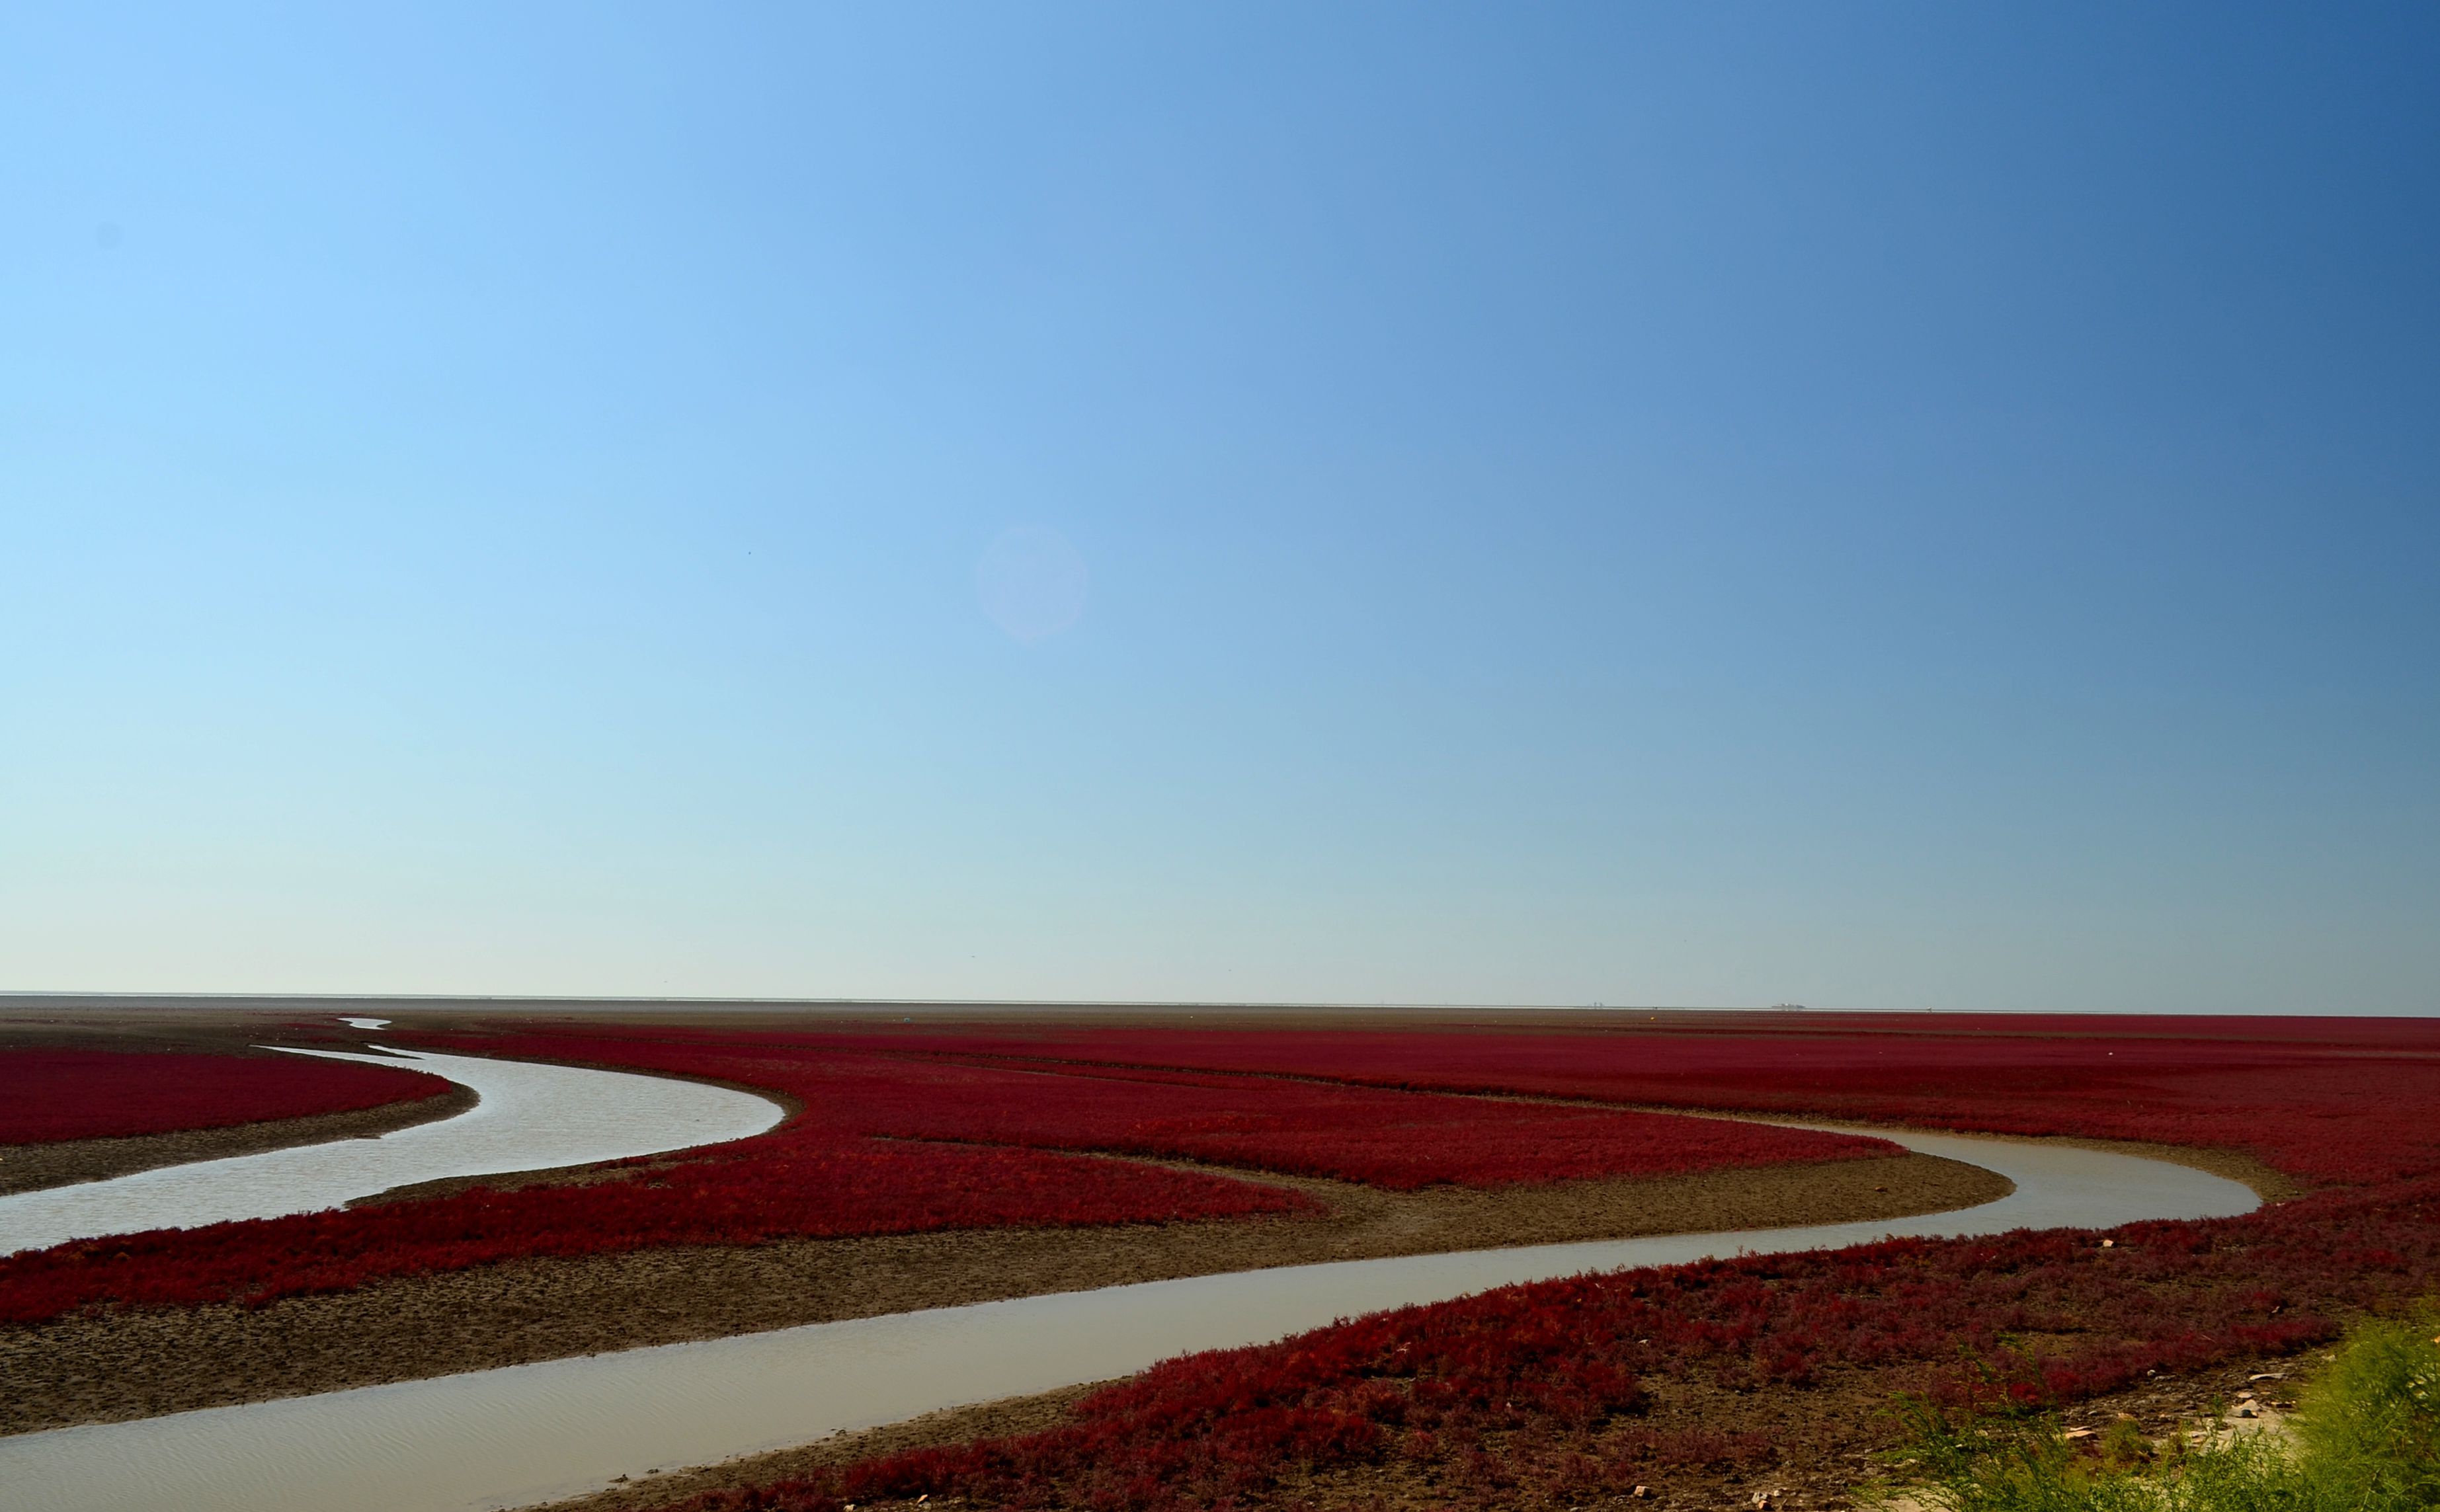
(1877, 507)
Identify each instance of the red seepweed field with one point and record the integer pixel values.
(1540, 1395)
(2326, 1101)
(1533, 1396)
(885, 1143)
(870, 1088)
(1552, 1393)
(52, 1094)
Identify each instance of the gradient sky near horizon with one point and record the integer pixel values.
(1880, 505)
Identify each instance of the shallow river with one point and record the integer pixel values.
(530, 1117)
(502, 1438)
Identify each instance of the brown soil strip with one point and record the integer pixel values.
(135, 1365)
(28, 1167)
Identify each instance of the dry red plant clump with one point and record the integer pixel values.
(51, 1095)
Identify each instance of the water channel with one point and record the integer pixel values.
(529, 1116)
(509, 1437)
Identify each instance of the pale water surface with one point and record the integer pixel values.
(501, 1438)
(531, 1116)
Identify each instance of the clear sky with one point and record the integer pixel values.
(1876, 506)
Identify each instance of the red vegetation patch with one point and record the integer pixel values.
(2358, 1112)
(1422, 1384)
(805, 1187)
(2360, 1104)
(1527, 1395)
(894, 1145)
(1389, 1139)
(47, 1096)
(832, 1171)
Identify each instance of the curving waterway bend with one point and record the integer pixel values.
(526, 1433)
(528, 1116)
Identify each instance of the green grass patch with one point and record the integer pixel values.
(2367, 1439)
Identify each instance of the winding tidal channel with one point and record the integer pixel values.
(529, 1116)
(502, 1438)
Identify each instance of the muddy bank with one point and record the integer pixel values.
(138, 1365)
